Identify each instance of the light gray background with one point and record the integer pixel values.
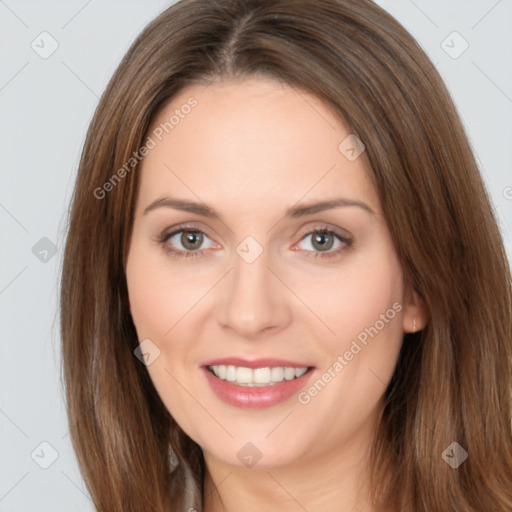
(46, 105)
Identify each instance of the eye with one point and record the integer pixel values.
(322, 240)
(189, 238)
(186, 242)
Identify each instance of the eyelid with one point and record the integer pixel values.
(169, 232)
(325, 226)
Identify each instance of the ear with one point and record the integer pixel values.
(415, 312)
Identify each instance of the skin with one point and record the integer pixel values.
(250, 149)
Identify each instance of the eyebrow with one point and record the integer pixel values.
(292, 212)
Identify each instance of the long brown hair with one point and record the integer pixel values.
(452, 382)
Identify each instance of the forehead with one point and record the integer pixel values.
(251, 141)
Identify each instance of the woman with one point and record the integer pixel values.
(284, 286)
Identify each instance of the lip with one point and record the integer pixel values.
(256, 363)
(246, 397)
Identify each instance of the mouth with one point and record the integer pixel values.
(257, 385)
(257, 377)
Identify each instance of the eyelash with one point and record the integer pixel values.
(198, 253)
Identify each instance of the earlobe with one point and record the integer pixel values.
(415, 312)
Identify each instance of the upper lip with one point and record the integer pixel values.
(256, 363)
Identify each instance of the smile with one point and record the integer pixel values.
(256, 377)
(244, 389)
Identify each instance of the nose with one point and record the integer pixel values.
(254, 300)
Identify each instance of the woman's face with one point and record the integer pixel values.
(260, 279)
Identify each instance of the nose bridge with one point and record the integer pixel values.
(253, 301)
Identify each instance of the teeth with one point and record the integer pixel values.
(222, 371)
(256, 377)
(230, 373)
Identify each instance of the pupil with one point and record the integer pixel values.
(321, 239)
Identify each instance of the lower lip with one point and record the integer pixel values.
(255, 397)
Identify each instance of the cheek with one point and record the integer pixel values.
(149, 306)
(363, 306)
(159, 300)
(355, 298)
(159, 297)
